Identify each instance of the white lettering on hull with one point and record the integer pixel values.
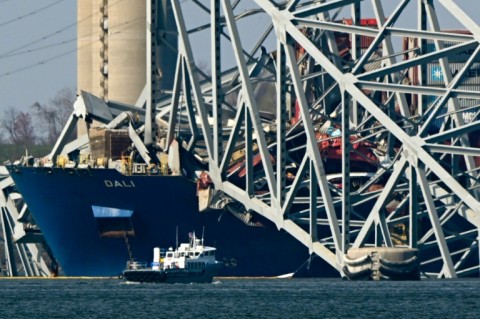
(115, 183)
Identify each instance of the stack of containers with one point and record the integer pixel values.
(435, 78)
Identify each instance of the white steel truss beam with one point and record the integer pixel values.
(409, 148)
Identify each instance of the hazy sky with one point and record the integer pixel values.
(37, 48)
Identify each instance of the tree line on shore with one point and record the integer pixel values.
(35, 129)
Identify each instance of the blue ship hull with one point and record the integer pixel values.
(62, 201)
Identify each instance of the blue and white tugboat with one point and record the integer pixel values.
(190, 263)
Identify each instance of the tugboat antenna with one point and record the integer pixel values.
(176, 237)
(203, 232)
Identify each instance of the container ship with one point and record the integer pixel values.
(95, 220)
(99, 203)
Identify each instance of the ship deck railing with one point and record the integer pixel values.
(134, 265)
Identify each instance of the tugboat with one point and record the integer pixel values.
(190, 263)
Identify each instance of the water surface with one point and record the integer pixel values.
(239, 298)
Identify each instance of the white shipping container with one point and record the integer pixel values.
(471, 77)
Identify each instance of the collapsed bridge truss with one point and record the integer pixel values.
(24, 254)
(347, 141)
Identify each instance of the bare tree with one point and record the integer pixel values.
(24, 129)
(52, 117)
(19, 127)
(8, 122)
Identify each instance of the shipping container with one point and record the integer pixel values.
(434, 74)
(460, 57)
(470, 78)
(471, 106)
(365, 41)
(109, 143)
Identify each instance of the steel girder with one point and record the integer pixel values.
(413, 141)
(14, 216)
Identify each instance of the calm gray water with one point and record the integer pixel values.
(268, 298)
